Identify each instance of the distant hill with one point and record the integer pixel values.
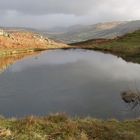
(79, 33)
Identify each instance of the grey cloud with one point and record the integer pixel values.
(48, 13)
(76, 7)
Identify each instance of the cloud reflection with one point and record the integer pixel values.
(99, 63)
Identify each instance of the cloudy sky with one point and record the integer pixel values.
(50, 13)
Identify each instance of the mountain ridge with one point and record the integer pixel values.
(78, 33)
(106, 30)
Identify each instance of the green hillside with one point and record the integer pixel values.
(127, 46)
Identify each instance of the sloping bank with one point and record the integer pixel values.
(26, 42)
(127, 46)
(61, 127)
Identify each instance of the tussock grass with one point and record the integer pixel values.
(62, 127)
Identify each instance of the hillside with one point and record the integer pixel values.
(23, 41)
(126, 46)
(79, 33)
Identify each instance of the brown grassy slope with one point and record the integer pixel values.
(26, 40)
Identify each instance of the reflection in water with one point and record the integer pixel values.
(78, 82)
(131, 98)
(6, 61)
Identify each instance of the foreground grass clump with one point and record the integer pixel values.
(61, 127)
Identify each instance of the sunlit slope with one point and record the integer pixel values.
(22, 41)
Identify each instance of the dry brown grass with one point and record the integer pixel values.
(61, 127)
(22, 40)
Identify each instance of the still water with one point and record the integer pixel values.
(77, 82)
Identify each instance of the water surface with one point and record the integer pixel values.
(77, 82)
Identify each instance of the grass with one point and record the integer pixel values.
(62, 127)
(127, 46)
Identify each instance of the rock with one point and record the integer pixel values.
(129, 96)
(3, 33)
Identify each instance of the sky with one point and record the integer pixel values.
(50, 13)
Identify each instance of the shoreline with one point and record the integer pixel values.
(129, 57)
(18, 51)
